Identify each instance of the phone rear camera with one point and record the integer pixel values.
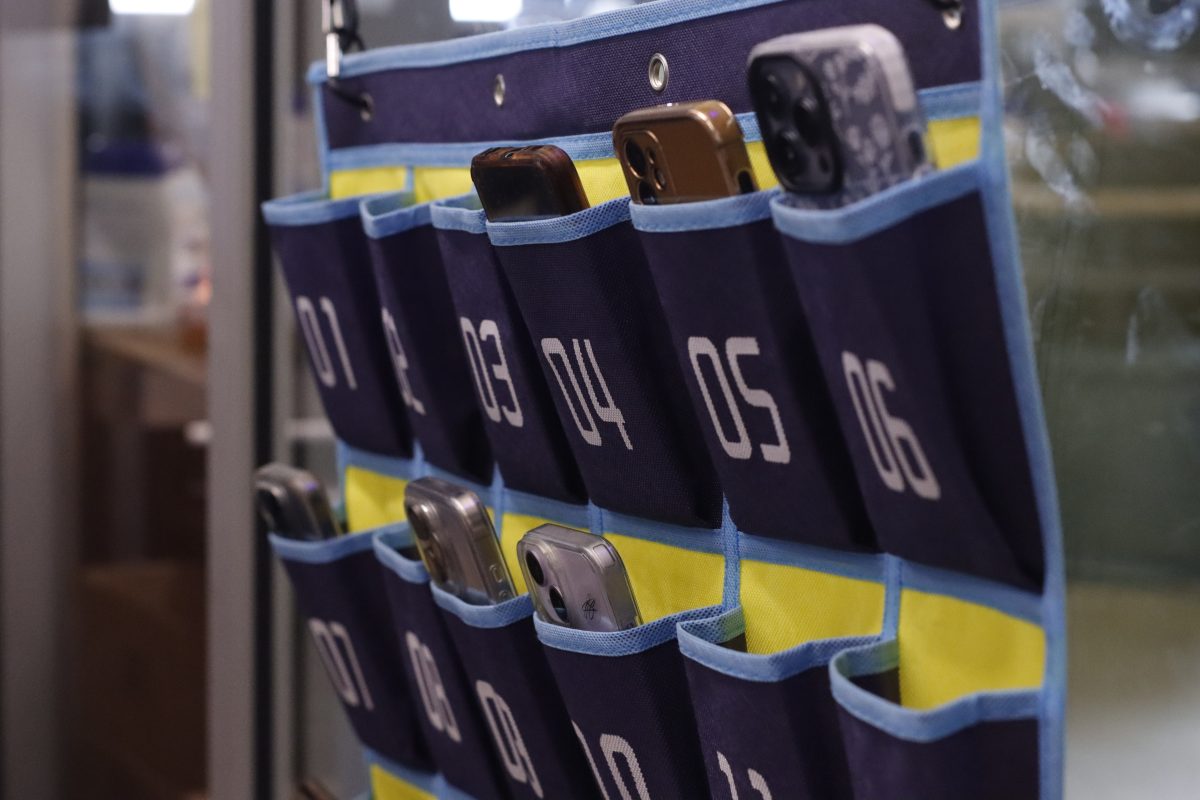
(775, 94)
(535, 569)
(793, 156)
(271, 513)
(660, 179)
(559, 605)
(635, 158)
(510, 154)
(646, 195)
(806, 113)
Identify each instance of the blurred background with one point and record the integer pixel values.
(147, 363)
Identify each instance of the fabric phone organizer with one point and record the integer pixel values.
(323, 252)
(450, 716)
(585, 292)
(424, 341)
(339, 588)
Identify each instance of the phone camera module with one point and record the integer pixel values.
(635, 157)
(646, 195)
(559, 605)
(775, 94)
(793, 154)
(535, 569)
(806, 114)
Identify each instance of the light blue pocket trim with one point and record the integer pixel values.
(560, 229)
(616, 643)
(727, 212)
(910, 724)
(1008, 599)
(953, 101)
(323, 552)
(403, 468)
(877, 212)
(570, 514)
(448, 791)
(426, 781)
(498, 616)
(308, 208)
(703, 640)
(387, 545)
(389, 214)
(533, 37)
(462, 213)
(862, 566)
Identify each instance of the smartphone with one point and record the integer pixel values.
(577, 579)
(293, 503)
(524, 183)
(838, 113)
(682, 153)
(457, 542)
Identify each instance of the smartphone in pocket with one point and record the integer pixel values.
(683, 153)
(457, 541)
(526, 183)
(293, 503)
(577, 579)
(838, 113)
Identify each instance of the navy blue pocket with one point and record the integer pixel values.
(983, 746)
(323, 254)
(768, 723)
(586, 295)
(339, 589)
(538, 751)
(422, 334)
(628, 698)
(527, 438)
(901, 299)
(748, 361)
(447, 709)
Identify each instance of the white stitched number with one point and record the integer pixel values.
(556, 357)
(337, 654)
(400, 363)
(492, 406)
(310, 326)
(508, 739)
(431, 688)
(611, 746)
(890, 440)
(739, 446)
(757, 782)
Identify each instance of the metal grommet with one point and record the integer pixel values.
(953, 17)
(367, 109)
(498, 88)
(658, 72)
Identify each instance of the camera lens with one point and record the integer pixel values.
(806, 113)
(535, 569)
(635, 158)
(660, 179)
(775, 94)
(271, 513)
(646, 194)
(559, 605)
(792, 154)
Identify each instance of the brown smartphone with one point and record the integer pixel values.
(523, 183)
(683, 152)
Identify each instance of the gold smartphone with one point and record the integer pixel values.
(577, 579)
(682, 153)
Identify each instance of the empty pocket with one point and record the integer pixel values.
(748, 362)
(507, 670)
(759, 674)
(901, 300)
(585, 293)
(982, 746)
(423, 336)
(447, 707)
(323, 254)
(339, 589)
(527, 438)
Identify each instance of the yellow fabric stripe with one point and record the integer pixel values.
(666, 579)
(953, 141)
(787, 606)
(386, 786)
(950, 648)
(372, 499)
